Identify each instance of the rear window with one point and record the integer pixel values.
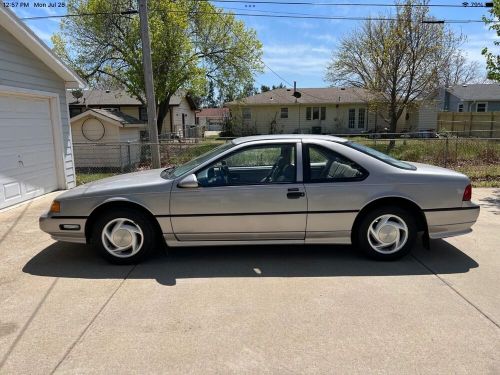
(381, 156)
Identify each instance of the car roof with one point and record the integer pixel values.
(319, 137)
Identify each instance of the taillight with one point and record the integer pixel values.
(467, 193)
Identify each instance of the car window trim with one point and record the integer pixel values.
(244, 147)
(307, 172)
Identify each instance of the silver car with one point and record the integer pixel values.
(273, 189)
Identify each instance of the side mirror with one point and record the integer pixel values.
(189, 182)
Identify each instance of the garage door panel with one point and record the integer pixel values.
(27, 157)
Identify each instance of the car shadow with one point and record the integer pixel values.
(79, 261)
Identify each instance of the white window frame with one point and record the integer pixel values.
(485, 107)
(460, 107)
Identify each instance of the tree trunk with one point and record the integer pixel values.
(392, 128)
(163, 108)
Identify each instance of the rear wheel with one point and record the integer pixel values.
(386, 233)
(123, 236)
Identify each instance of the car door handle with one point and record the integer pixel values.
(294, 193)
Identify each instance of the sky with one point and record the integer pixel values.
(300, 49)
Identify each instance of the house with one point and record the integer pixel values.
(181, 111)
(318, 110)
(471, 98)
(212, 118)
(36, 154)
(106, 139)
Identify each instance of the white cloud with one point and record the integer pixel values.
(295, 58)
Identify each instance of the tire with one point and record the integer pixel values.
(124, 236)
(388, 241)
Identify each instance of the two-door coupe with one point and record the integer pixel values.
(273, 189)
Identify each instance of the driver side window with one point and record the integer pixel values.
(252, 166)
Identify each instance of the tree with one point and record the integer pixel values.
(210, 100)
(398, 59)
(192, 42)
(280, 86)
(492, 60)
(458, 71)
(264, 88)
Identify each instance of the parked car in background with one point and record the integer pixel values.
(281, 189)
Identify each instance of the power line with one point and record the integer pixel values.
(279, 15)
(471, 5)
(319, 17)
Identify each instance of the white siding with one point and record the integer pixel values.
(182, 108)
(20, 68)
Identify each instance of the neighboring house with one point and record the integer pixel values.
(36, 154)
(212, 118)
(106, 138)
(318, 110)
(181, 111)
(471, 98)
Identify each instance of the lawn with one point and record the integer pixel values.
(478, 159)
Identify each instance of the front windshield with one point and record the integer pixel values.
(381, 156)
(192, 164)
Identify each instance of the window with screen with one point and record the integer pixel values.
(352, 118)
(284, 113)
(361, 118)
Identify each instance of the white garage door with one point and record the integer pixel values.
(27, 158)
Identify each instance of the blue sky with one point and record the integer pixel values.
(299, 49)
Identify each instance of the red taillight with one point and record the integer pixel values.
(467, 193)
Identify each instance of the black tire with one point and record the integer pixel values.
(135, 217)
(362, 240)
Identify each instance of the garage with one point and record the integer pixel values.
(27, 155)
(36, 153)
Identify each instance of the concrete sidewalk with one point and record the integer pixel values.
(280, 310)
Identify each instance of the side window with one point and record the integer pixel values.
(251, 166)
(325, 165)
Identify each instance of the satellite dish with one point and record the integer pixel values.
(297, 94)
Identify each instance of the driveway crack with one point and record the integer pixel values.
(87, 327)
(468, 301)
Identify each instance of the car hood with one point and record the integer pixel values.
(148, 181)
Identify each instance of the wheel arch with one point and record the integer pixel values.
(117, 203)
(394, 201)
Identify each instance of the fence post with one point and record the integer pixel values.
(129, 156)
(446, 154)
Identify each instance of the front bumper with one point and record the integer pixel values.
(64, 228)
(449, 222)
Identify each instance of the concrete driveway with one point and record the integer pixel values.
(281, 310)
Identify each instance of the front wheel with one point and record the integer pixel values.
(124, 236)
(386, 233)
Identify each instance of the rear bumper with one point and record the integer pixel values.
(67, 229)
(449, 222)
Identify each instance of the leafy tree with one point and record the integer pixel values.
(210, 100)
(191, 41)
(458, 71)
(264, 88)
(492, 60)
(398, 59)
(280, 86)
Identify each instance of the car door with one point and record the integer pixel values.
(254, 193)
(335, 188)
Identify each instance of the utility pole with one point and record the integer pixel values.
(148, 80)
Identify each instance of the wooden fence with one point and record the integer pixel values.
(477, 124)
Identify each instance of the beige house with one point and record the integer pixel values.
(181, 113)
(318, 110)
(106, 138)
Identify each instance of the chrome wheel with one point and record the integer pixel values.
(122, 237)
(387, 234)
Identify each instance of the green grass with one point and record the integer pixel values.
(83, 178)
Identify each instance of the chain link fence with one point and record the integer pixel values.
(99, 160)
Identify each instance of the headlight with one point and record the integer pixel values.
(55, 207)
